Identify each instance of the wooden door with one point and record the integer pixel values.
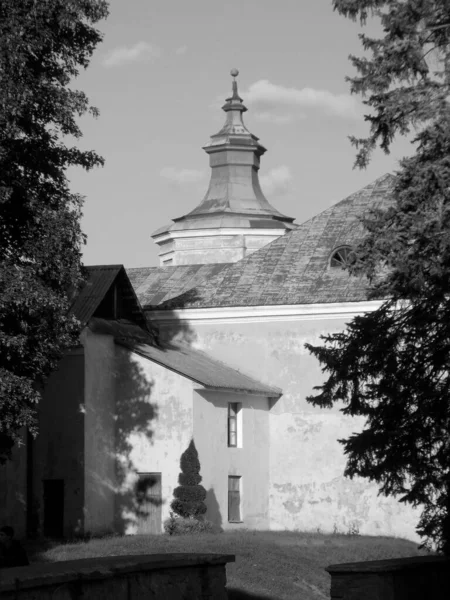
(148, 502)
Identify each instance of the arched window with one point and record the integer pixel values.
(341, 258)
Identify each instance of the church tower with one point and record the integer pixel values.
(234, 218)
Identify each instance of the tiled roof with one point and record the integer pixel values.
(186, 361)
(154, 285)
(96, 295)
(99, 280)
(293, 269)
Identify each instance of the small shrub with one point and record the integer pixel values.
(353, 528)
(180, 526)
(170, 524)
(189, 496)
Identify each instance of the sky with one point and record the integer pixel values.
(159, 79)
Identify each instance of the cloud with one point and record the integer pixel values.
(269, 117)
(181, 50)
(182, 175)
(140, 52)
(269, 97)
(277, 180)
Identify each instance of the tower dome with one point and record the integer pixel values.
(234, 218)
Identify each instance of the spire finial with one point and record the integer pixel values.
(234, 73)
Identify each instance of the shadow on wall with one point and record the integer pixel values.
(135, 413)
(138, 499)
(178, 332)
(213, 508)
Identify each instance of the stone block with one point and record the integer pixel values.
(144, 577)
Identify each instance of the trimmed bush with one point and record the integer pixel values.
(180, 526)
(189, 496)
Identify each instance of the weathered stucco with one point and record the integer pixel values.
(250, 462)
(307, 487)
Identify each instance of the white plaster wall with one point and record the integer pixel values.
(307, 486)
(214, 248)
(99, 432)
(154, 410)
(251, 461)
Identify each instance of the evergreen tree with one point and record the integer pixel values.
(392, 365)
(189, 496)
(43, 45)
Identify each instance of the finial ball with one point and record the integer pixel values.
(234, 72)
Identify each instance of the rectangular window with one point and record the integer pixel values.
(167, 262)
(233, 411)
(234, 499)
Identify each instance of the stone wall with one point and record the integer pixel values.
(158, 576)
(412, 578)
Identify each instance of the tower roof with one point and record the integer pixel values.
(234, 198)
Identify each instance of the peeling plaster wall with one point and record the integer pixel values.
(307, 487)
(99, 432)
(58, 449)
(217, 461)
(154, 410)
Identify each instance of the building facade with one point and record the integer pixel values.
(209, 346)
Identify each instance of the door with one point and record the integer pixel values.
(54, 508)
(148, 503)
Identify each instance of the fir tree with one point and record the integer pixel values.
(392, 365)
(43, 46)
(189, 496)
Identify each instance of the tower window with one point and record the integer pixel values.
(342, 258)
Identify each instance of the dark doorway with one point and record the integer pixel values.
(54, 508)
(149, 501)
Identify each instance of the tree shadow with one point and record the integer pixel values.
(134, 413)
(213, 509)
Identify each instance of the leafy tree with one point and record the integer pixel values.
(43, 45)
(391, 366)
(189, 496)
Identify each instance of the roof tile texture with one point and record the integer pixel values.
(293, 269)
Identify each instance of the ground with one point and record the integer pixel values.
(269, 565)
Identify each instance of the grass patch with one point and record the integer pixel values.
(269, 565)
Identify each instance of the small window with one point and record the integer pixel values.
(234, 499)
(341, 258)
(168, 262)
(234, 424)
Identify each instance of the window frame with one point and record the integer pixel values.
(234, 425)
(343, 252)
(235, 499)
